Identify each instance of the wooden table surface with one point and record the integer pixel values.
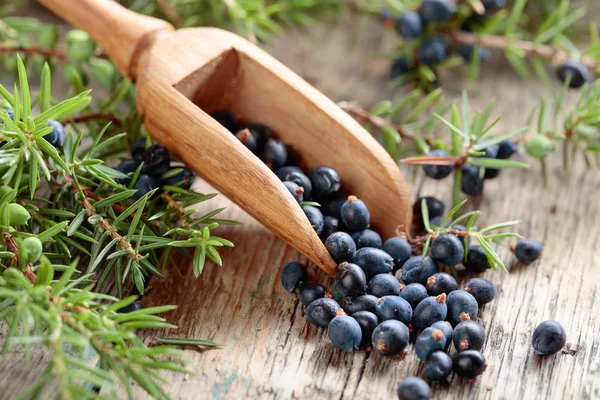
(270, 352)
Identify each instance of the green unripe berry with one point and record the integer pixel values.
(104, 71)
(17, 214)
(4, 190)
(80, 46)
(34, 248)
(539, 146)
(72, 71)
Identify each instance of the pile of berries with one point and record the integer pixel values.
(428, 26)
(473, 178)
(155, 169)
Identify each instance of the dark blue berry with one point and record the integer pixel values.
(10, 113)
(432, 51)
(399, 249)
(437, 171)
(400, 67)
(461, 306)
(477, 260)
(143, 185)
(414, 293)
(437, 222)
(430, 310)
(261, 133)
(549, 338)
(384, 285)
(292, 275)
(417, 269)
(448, 249)
(138, 148)
(528, 250)
(462, 228)
(247, 139)
(441, 283)
(274, 154)
(227, 119)
(434, 206)
(368, 322)
(472, 181)
(413, 388)
(57, 136)
(574, 70)
(446, 328)
(468, 335)
(491, 173)
(409, 25)
(390, 338)
(156, 160)
(493, 4)
(491, 151)
(341, 247)
(127, 167)
(314, 217)
(332, 207)
(351, 280)
(345, 333)
(506, 149)
(366, 302)
(367, 238)
(296, 191)
(468, 364)
(483, 290)
(437, 10)
(309, 292)
(355, 214)
(321, 311)
(325, 181)
(394, 307)
(438, 366)
(466, 52)
(301, 180)
(331, 225)
(429, 340)
(183, 179)
(136, 305)
(283, 172)
(373, 261)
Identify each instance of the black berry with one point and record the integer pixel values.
(466, 51)
(413, 388)
(506, 149)
(341, 247)
(144, 185)
(477, 260)
(429, 340)
(351, 280)
(274, 154)
(368, 322)
(461, 305)
(331, 225)
(438, 171)
(468, 335)
(441, 283)
(549, 338)
(283, 172)
(156, 160)
(528, 250)
(367, 238)
(355, 214)
(437, 10)
(314, 217)
(325, 181)
(301, 180)
(247, 139)
(574, 70)
(183, 179)
(430, 310)
(365, 302)
(384, 285)
(468, 364)
(227, 119)
(414, 293)
(127, 167)
(432, 51)
(434, 206)
(57, 136)
(373, 261)
(409, 25)
(438, 366)
(390, 338)
(394, 307)
(472, 181)
(482, 290)
(417, 269)
(292, 275)
(345, 333)
(321, 311)
(136, 305)
(296, 191)
(447, 249)
(261, 133)
(309, 292)
(332, 207)
(138, 148)
(400, 67)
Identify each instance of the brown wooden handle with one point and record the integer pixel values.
(124, 34)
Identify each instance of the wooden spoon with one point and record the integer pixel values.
(183, 76)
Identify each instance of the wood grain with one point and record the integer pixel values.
(271, 353)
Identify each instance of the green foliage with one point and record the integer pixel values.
(63, 204)
(256, 20)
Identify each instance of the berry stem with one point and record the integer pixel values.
(59, 54)
(363, 115)
(530, 48)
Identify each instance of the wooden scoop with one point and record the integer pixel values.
(183, 76)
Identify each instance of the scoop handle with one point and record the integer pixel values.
(123, 34)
